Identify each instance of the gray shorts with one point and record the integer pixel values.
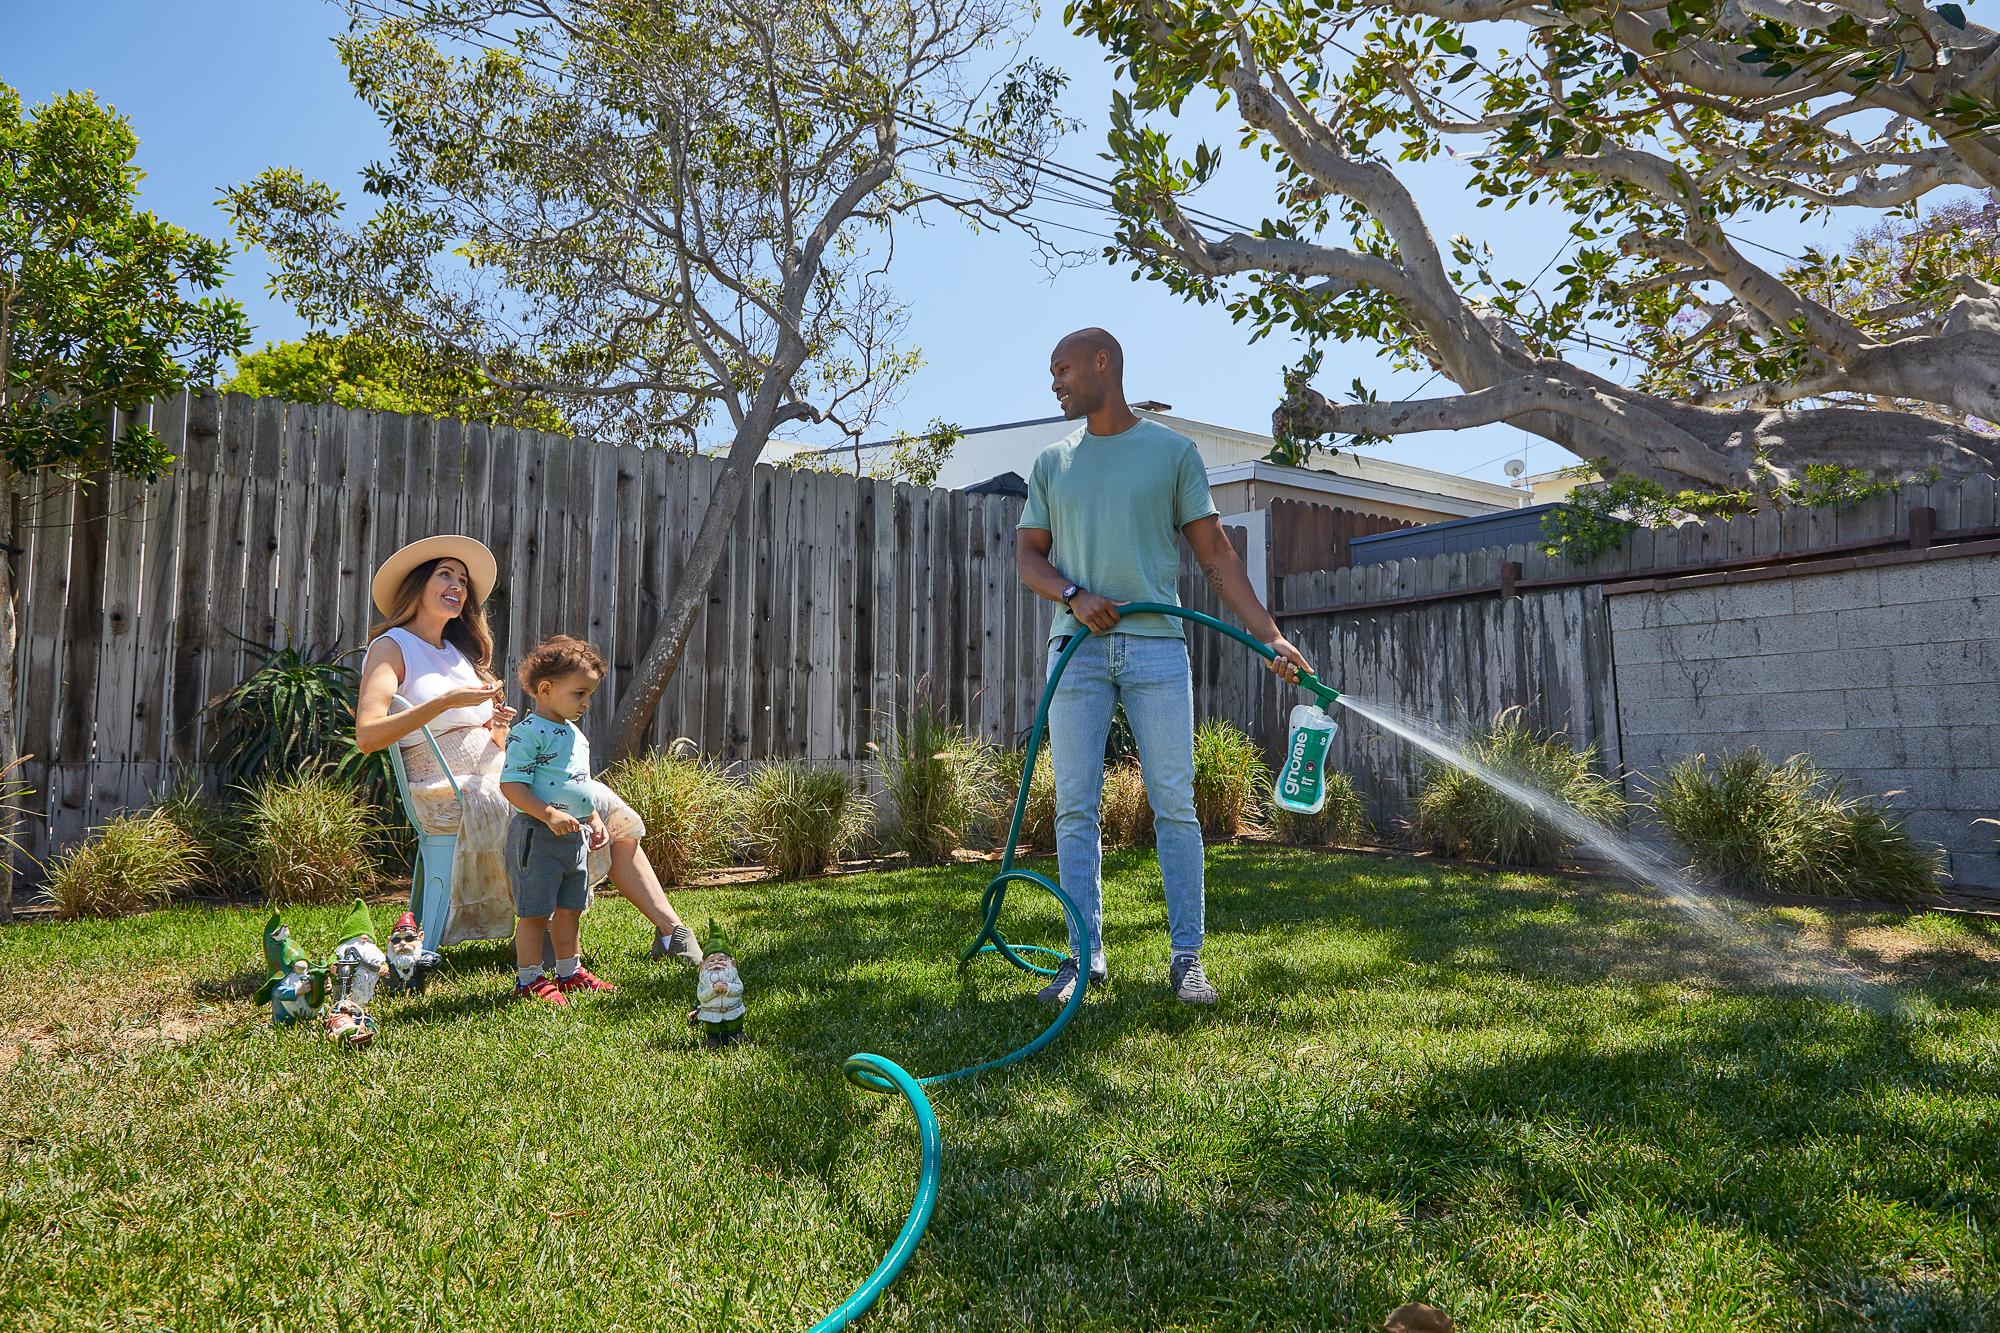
(548, 872)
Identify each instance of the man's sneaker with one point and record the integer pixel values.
(1060, 986)
(1189, 982)
(582, 979)
(681, 946)
(542, 988)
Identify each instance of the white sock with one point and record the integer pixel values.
(527, 976)
(566, 968)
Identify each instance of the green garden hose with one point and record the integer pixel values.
(878, 1073)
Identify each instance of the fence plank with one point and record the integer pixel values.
(198, 566)
(153, 636)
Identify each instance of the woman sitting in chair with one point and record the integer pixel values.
(433, 648)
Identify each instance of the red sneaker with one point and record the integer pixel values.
(582, 979)
(543, 988)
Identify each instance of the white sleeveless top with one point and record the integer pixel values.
(429, 672)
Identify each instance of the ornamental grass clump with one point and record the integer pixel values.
(1038, 822)
(312, 838)
(1230, 780)
(1460, 815)
(212, 825)
(1340, 823)
(1790, 828)
(128, 864)
(939, 780)
(802, 819)
(692, 808)
(1125, 814)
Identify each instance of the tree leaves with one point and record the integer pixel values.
(104, 306)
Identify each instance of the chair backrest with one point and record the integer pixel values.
(397, 704)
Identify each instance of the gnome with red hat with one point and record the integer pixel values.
(410, 963)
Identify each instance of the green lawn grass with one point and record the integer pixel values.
(1536, 1103)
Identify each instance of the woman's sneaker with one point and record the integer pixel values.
(542, 988)
(1188, 982)
(681, 946)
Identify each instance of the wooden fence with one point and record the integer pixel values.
(1306, 537)
(141, 604)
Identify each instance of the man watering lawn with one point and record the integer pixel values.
(1104, 505)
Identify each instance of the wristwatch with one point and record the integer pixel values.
(1069, 591)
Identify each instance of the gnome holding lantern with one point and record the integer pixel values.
(410, 963)
(718, 993)
(358, 963)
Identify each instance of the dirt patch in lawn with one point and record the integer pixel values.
(80, 1017)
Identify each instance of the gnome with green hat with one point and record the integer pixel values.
(718, 992)
(358, 963)
(284, 959)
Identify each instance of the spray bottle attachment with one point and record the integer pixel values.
(1301, 785)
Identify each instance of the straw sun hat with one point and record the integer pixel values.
(470, 552)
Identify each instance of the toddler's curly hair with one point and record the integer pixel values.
(555, 657)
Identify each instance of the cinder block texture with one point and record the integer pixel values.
(1888, 678)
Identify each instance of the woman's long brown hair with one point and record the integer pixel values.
(466, 631)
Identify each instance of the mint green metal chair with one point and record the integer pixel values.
(430, 880)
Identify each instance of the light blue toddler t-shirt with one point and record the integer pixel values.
(553, 759)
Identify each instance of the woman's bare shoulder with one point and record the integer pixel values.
(385, 651)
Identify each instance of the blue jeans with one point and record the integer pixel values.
(1150, 676)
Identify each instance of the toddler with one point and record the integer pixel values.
(547, 780)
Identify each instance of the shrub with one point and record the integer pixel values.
(1230, 778)
(1789, 828)
(693, 810)
(212, 825)
(802, 819)
(1038, 823)
(127, 865)
(1459, 815)
(1341, 821)
(296, 712)
(939, 780)
(311, 838)
(1126, 814)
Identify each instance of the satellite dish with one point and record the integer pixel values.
(1515, 467)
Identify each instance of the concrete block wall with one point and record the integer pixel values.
(1888, 677)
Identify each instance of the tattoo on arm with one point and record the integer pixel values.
(1212, 571)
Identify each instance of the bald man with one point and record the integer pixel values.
(1104, 506)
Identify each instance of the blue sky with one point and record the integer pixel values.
(217, 90)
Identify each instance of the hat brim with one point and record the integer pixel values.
(479, 564)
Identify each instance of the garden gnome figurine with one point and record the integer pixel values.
(357, 947)
(718, 993)
(296, 995)
(410, 963)
(348, 1027)
(281, 956)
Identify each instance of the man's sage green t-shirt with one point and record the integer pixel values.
(1114, 506)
